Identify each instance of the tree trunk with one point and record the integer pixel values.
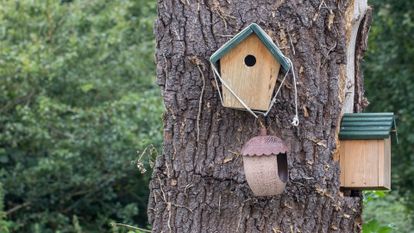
(198, 182)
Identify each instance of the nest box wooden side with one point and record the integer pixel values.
(365, 150)
(251, 71)
(366, 164)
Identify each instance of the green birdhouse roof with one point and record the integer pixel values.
(362, 126)
(267, 41)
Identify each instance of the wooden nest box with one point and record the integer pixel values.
(365, 150)
(249, 65)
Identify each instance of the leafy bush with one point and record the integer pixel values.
(4, 225)
(390, 84)
(385, 212)
(77, 101)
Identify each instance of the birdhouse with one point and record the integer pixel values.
(365, 150)
(249, 65)
(265, 164)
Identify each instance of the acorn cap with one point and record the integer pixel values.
(264, 145)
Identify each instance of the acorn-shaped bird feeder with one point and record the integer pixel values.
(265, 164)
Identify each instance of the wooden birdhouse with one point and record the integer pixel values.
(249, 65)
(365, 150)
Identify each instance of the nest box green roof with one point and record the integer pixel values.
(267, 41)
(368, 126)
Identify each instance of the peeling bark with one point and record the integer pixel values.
(198, 182)
(357, 28)
(360, 101)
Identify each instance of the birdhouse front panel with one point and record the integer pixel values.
(365, 150)
(366, 164)
(251, 72)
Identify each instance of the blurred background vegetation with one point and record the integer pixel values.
(78, 101)
(79, 110)
(389, 84)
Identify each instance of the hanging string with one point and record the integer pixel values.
(295, 121)
(261, 124)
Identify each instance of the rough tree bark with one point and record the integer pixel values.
(198, 182)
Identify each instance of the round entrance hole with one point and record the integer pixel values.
(250, 60)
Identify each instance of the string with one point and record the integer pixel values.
(295, 121)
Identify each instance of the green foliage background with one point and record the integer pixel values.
(389, 70)
(78, 100)
(389, 83)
